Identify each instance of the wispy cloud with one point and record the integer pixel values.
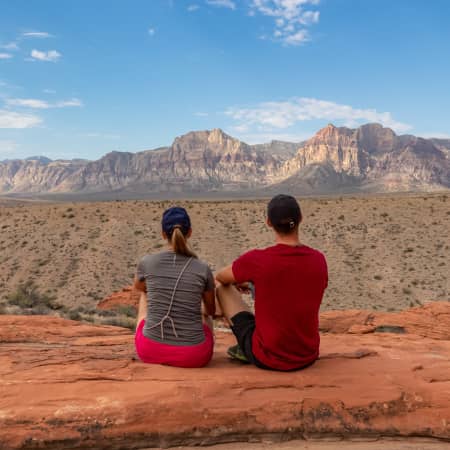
(10, 46)
(291, 18)
(151, 31)
(192, 8)
(222, 3)
(5, 56)
(285, 114)
(49, 56)
(11, 119)
(36, 34)
(34, 103)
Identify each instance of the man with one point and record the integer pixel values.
(289, 279)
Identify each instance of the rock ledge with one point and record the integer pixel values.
(69, 385)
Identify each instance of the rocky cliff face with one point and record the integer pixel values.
(370, 157)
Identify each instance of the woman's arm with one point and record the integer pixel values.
(209, 300)
(139, 285)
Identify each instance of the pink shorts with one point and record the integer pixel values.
(154, 352)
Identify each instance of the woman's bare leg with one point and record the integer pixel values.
(142, 311)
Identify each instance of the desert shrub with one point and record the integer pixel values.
(126, 310)
(105, 313)
(27, 296)
(124, 322)
(73, 314)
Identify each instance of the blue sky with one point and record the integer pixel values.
(80, 78)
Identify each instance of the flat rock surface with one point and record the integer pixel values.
(64, 384)
(387, 444)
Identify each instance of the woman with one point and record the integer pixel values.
(174, 283)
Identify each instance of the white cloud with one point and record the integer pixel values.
(201, 114)
(49, 91)
(42, 104)
(297, 38)
(10, 46)
(151, 31)
(222, 3)
(73, 102)
(285, 114)
(37, 34)
(290, 18)
(5, 56)
(28, 103)
(51, 55)
(11, 119)
(192, 8)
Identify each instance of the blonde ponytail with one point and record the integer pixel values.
(180, 244)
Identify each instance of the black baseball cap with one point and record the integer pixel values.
(175, 216)
(284, 213)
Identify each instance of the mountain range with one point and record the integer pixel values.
(370, 158)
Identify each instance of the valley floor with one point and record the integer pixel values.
(385, 252)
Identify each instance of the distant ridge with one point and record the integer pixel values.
(369, 158)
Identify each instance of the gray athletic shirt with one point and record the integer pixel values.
(160, 273)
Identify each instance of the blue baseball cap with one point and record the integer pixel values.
(175, 216)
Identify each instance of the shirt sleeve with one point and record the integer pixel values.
(210, 283)
(245, 267)
(140, 270)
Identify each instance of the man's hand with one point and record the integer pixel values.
(244, 288)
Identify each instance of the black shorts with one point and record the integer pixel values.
(243, 328)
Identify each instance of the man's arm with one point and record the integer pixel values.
(225, 276)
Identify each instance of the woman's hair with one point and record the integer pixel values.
(179, 242)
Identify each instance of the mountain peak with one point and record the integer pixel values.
(326, 131)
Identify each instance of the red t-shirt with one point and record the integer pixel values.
(289, 285)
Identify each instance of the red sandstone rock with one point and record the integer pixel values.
(69, 385)
(128, 296)
(431, 320)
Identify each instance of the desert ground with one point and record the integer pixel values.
(384, 252)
